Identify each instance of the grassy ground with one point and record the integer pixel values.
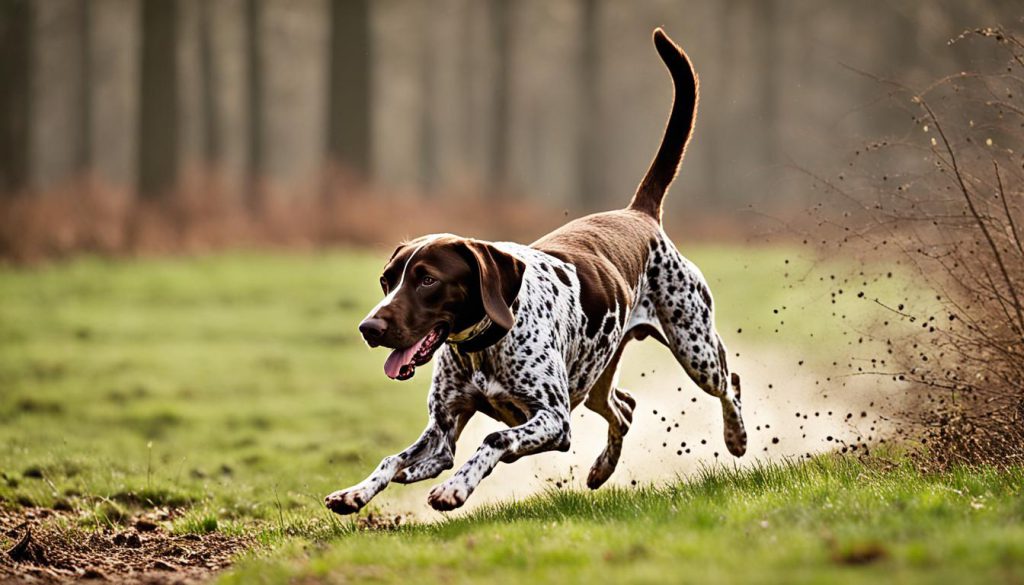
(235, 389)
(831, 520)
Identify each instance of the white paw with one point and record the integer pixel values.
(448, 496)
(347, 501)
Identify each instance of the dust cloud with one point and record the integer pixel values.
(791, 410)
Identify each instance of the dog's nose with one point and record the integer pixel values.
(373, 329)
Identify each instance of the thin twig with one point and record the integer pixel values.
(1006, 208)
(970, 205)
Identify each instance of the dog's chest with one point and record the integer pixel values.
(551, 320)
(495, 398)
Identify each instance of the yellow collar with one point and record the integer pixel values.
(470, 332)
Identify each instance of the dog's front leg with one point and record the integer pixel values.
(432, 451)
(548, 430)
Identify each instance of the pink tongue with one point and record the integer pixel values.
(401, 357)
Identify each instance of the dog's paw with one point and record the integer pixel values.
(735, 434)
(597, 476)
(346, 501)
(600, 472)
(448, 496)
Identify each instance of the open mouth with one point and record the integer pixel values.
(401, 364)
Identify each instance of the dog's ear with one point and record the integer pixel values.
(501, 276)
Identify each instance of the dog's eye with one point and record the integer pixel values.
(428, 281)
(384, 284)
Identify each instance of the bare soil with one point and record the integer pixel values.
(50, 548)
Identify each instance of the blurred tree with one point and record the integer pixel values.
(219, 92)
(560, 99)
(110, 109)
(57, 147)
(85, 68)
(427, 87)
(468, 83)
(592, 184)
(254, 60)
(350, 100)
(502, 31)
(158, 126)
(212, 142)
(769, 70)
(293, 44)
(711, 127)
(15, 71)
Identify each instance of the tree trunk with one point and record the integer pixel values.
(56, 146)
(85, 64)
(111, 102)
(158, 126)
(498, 164)
(211, 142)
(15, 70)
(769, 72)
(350, 101)
(591, 177)
(428, 131)
(293, 91)
(253, 19)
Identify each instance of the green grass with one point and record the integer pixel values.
(832, 519)
(234, 382)
(234, 388)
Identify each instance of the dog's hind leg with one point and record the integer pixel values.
(616, 407)
(686, 313)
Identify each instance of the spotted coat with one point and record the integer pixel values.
(584, 292)
(547, 365)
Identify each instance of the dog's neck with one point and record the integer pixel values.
(479, 336)
(471, 332)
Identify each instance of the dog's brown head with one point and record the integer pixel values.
(435, 286)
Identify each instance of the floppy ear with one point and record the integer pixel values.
(501, 276)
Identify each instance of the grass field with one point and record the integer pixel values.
(831, 520)
(233, 389)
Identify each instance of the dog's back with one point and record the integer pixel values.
(610, 249)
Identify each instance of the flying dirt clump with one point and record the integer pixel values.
(950, 222)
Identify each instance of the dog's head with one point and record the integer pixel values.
(435, 286)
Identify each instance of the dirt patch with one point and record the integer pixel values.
(375, 521)
(46, 546)
(864, 553)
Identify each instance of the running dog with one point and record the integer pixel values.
(525, 334)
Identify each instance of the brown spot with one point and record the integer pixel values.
(560, 272)
(705, 294)
(609, 251)
(861, 554)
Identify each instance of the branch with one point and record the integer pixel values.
(974, 212)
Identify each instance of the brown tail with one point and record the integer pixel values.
(662, 171)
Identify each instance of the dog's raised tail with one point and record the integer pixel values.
(651, 192)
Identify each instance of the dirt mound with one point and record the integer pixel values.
(49, 548)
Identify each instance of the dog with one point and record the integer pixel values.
(525, 334)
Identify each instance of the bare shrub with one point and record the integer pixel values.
(944, 202)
